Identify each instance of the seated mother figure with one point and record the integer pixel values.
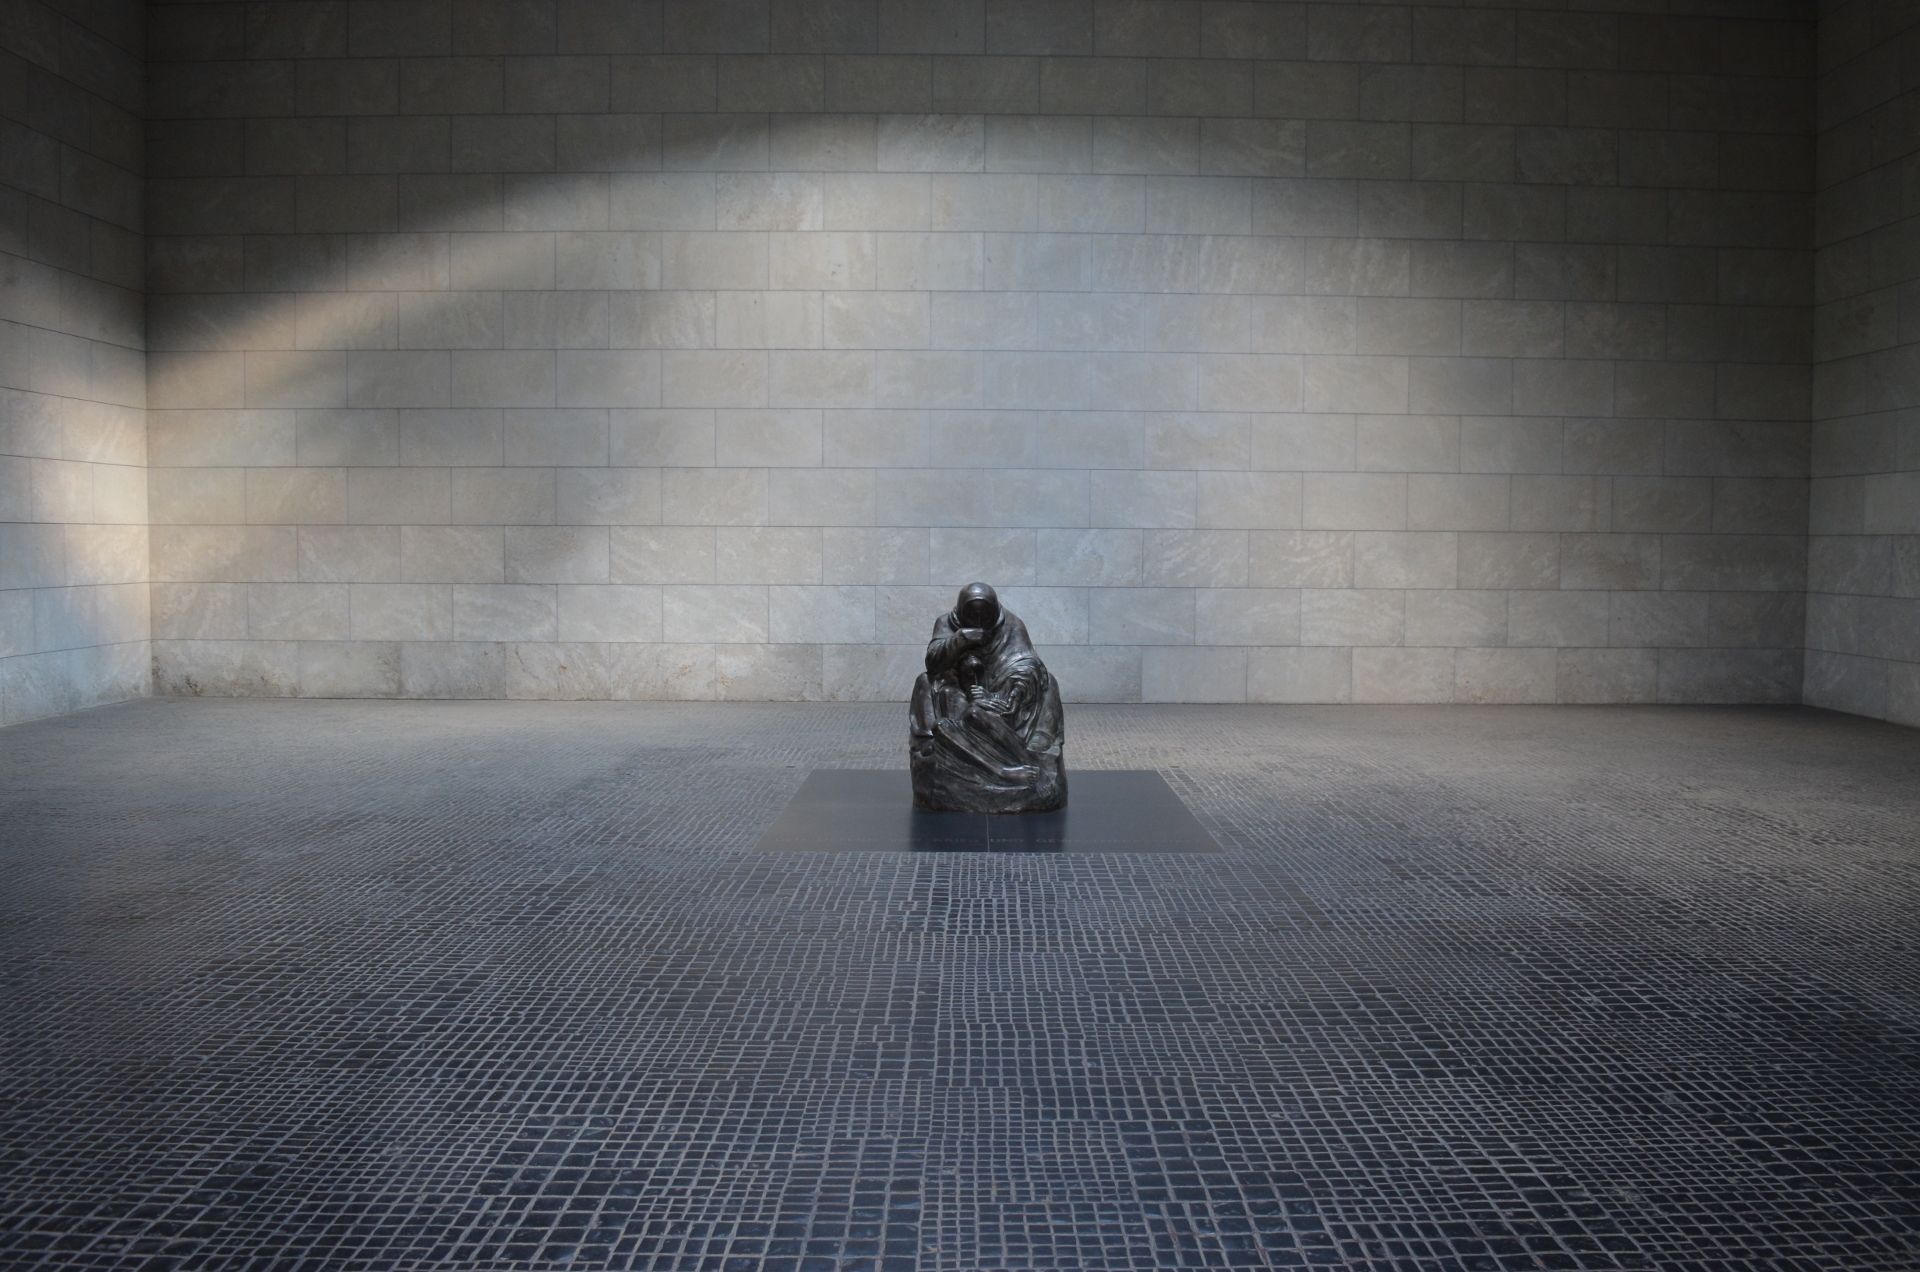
(986, 726)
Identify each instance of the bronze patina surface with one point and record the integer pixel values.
(985, 728)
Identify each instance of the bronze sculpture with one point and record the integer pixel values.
(985, 728)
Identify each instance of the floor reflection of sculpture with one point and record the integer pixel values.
(986, 725)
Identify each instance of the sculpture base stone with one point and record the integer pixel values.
(871, 810)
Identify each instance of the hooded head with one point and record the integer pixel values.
(977, 607)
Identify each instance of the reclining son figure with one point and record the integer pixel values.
(985, 728)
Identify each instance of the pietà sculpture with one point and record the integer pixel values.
(985, 728)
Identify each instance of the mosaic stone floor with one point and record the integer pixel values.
(503, 985)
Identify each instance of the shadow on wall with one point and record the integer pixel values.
(1218, 429)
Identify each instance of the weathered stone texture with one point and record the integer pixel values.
(1863, 602)
(74, 620)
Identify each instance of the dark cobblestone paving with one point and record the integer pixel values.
(503, 985)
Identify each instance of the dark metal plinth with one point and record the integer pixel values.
(871, 810)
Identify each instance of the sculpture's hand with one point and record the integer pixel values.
(944, 651)
(976, 692)
(997, 703)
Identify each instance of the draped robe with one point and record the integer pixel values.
(996, 749)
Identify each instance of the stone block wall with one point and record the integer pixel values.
(73, 489)
(1863, 616)
(1257, 351)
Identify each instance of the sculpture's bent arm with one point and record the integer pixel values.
(948, 646)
